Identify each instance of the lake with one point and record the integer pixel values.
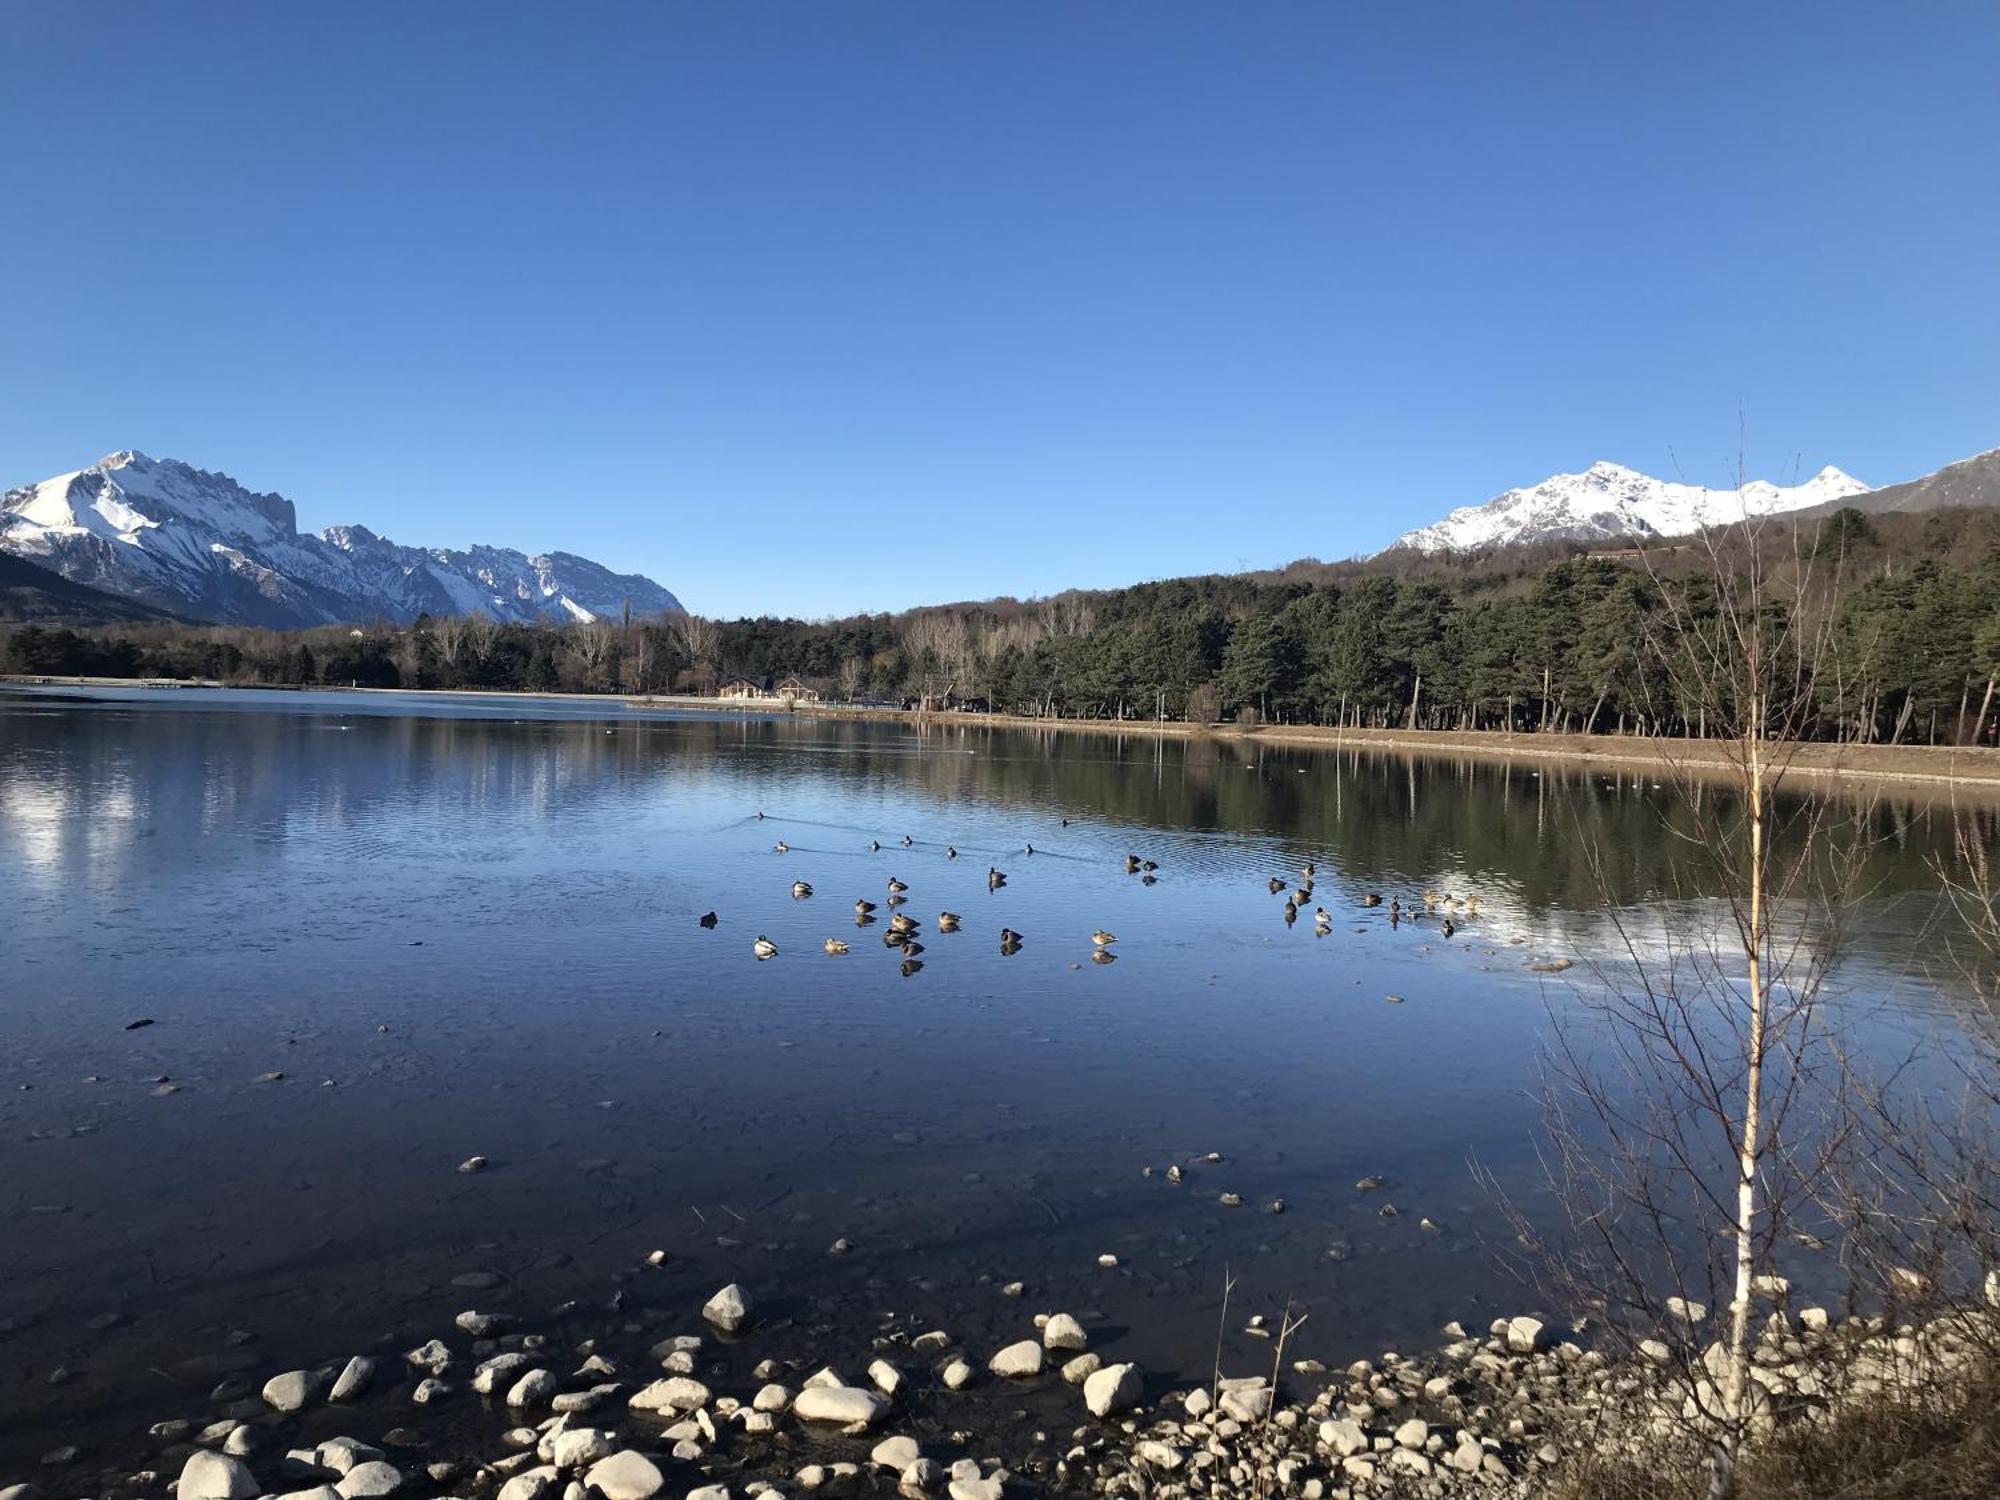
(470, 927)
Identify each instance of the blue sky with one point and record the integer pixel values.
(811, 307)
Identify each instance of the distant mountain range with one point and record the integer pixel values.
(1608, 502)
(196, 544)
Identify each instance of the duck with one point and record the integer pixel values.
(764, 948)
(994, 880)
(1010, 939)
(1310, 871)
(1323, 917)
(835, 945)
(894, 938)
(1302, 895)
(1030, 849)
(902, 922)
(908, 841)
(1103, 956)
(1103, 939)
(1291, 912)
(781, 847)
(1065, 822)
(1371, 899)
(950, 852)
(760, 815)
(911, 947)
(1148, 866)
(1131, 864)
(709, 920)
(910, 966)
(1472, 906)
(1449, 927)
(1276, 885)
(800, 890)
(896, 887)
(947, 921)
(862, 908)
(874, 846)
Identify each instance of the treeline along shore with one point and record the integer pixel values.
(1551, 641)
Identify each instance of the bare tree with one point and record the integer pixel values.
(1692, 1099)
(699, 642)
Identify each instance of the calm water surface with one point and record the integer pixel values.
(472, 928)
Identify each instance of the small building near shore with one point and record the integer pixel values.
(796, 691)
(738, 687)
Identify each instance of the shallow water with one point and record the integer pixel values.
(471, 927)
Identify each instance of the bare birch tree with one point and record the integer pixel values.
(1693, 1103)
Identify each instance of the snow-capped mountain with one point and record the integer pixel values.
(1607, 501)
(201, 545)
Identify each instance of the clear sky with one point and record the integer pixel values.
(830, 305)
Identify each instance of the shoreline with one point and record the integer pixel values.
(615, 1402)
(1974, 769)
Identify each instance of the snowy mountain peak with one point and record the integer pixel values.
(1608, 501)
(201, 545)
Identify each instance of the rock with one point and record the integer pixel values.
(370, 1481)
(214, 1476)
(844, 1404)
(580, 1447)
(772, 1398)
(531, 1484)
(483, 1325)
(1113, 1389)
(294, 1390)
(498, 1371)
(895, 1453)
(472, 1164)
(1413, 1433)
(354, 1379)
(625, 1476)
(1687, 1312)
(342, 1455)
(1197, 1402)
(957, 1375)
(828, 1376)
(536, 1388)
(1344, 1436)
(709, 1492)
(1814, 1319)
(811, 1477)
(975, 1489)
(432, 1356)
(728, 1309)
(242, 1442)
(677, 1393)
(429, 1389)
(885, 1377)
(920, 1479)
(1467, 1458)
(1063, 1332)
(1158, 1454)
(1524, 1335)
(1409, 1459)
(1246, 1399)
(317, 1492)
(1080, 1369)
(1018, 1361)
(1655, 1351)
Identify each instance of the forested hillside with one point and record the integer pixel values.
(1554, 638)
